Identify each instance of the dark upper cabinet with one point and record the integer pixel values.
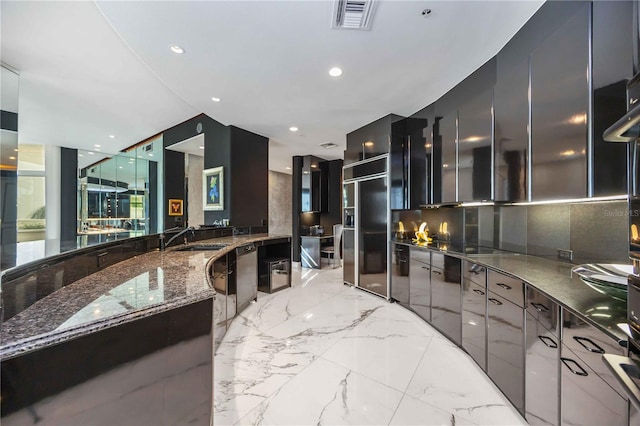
(559, 108)
(371, 140)
(311, 190)
(612, 61)
(446, 143)
(409, 163)
(474, 148)
(511, 115)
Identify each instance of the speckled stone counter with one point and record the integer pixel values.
(554, 278)
(135, 288)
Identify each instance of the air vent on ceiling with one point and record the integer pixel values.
(328, 145)
(353, 14)
(148, 148)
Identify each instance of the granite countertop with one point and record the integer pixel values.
(137, 287)
(551, 277)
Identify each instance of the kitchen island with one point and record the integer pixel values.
(143, 327)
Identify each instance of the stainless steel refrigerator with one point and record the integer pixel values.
(366, 225)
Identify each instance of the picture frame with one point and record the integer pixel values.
(213, 188)
(175, 207)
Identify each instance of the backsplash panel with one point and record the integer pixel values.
(548, 229)
(599, 232)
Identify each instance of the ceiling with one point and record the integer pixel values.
(90, 70)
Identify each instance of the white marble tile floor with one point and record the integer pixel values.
(322, 353)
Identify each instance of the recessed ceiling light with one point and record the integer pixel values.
(15, 149)
(150, 155)
(313, 166)
(288, 168)
(90, 153)
(12, 158)
(112, 136)
(97, 146)
(293, 129)
(96, 149)
(201, 147)
(328, 145)
(80, 155)
(335, 72)
(176, 49)
(119, 167)
(368, 144)
(214, 99)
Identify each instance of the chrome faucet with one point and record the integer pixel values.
(190, 230)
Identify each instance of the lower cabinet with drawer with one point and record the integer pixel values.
(420, 283)
(590, 395)
(542, 398)
(474, 312)
(505, 336)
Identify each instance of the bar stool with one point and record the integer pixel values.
(334, 252)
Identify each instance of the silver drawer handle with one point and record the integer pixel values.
(540, 307)
(495, 301)
(480, 292)
(506, 287)
(578, 372)
(548, 341)
(437, 272)
(594, 347)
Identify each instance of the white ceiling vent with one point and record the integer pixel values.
(353, 14)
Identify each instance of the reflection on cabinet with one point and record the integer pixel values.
(312, 185)
(474, 148)
(224, 305)
(446, 297)
(511, 112)
(420, 283)
(542, 360)
(559, 103)
(370, 140)
(474, 311)
(400, 273)
(505, 337)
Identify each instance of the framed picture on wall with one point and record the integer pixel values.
(213, 188)
(175, 207)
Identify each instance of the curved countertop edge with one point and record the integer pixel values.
(559, 280)
(53, 337)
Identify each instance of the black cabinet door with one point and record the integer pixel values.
(474, 316)
(541, 376)
(511, 112)
(505, 361)
(446, 298)
(559, 105)
(445, 145)
(474, 148)
(420, 283)
(400, 273)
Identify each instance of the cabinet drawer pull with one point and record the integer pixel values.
(425, 267)
(579, 372)
(540, 307)
(495, 301)
(593, 348)
(403, 261)
(480, 292)
(548, 341)
(505, 286)
(437, 272)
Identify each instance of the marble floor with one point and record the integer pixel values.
(322, 353)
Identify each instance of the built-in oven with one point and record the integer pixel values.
(627, 130)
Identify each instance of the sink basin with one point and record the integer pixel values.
(200, 247)
(606, 278)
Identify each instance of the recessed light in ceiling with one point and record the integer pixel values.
(96, 149)
(112, 136)
(288, 168)
(90, 153)
(80, 155)
(15, 149)
(368, 144)
(335, 72)
(313, 166)
(119, 167)
(328, 145)
(214, 99)
(12, 158)
(201, 147)
(150, 155)
(176, 49)
(97, 146)
(293, 128)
